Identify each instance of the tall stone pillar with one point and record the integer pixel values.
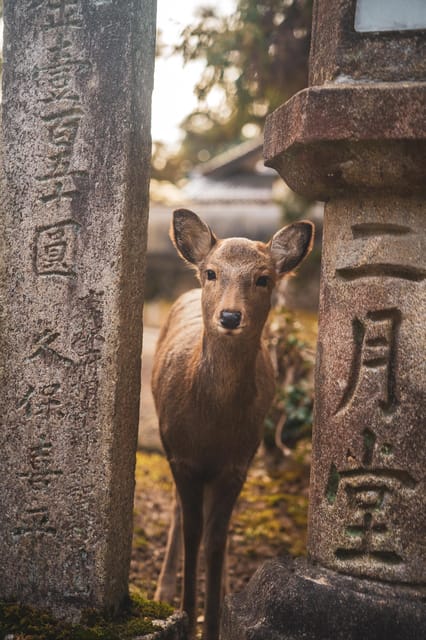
(77, 81)
(356, 138)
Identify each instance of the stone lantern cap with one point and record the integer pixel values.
(321, 140)
(365, 107)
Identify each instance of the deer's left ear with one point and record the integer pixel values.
(291, 245)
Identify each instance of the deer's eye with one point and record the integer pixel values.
(211, 275)
(262, 281)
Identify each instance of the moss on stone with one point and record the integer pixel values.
(136, 619)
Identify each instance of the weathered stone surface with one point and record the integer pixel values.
(362, 147)
(288, 600)
(340, 53)
(77, 81)
(368, 483)
(323, 139)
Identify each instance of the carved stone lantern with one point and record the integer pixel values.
(356, 138)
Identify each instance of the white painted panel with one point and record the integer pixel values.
(390, 15)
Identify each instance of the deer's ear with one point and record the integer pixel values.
(291, 245)
(192, 237)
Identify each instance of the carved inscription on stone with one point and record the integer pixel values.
(376, 251)
(87, 344)
(64, 395)
(35, 520)
(368, 484)
(63, 177)
(68, 169)
(63, 13)
(41, 407)
(61, 111)
(59, 13)
(375, 340)
(42, 401)
(41, 470)
(37, 474)
(367, 494)
(44, 347)
(55, 249)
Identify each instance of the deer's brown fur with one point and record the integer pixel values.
(213, 383)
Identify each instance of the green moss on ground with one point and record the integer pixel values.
(272, 511)
(153, 471)
(137, 618)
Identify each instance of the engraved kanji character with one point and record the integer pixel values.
(49, 404)
(35, 520)
(366, 494)
(368, 532)
(58, 163)
(41, 472)
(375, 341)
(55, 78)
(88, 343)
(63, 127)
(55, 249)
(62, 13)
(58, 188)
(42, 402)
(26, 402)
(43, 349)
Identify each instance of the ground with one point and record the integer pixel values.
(269, 519)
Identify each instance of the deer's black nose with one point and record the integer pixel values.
(230, 319)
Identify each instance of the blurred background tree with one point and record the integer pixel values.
(253, 60)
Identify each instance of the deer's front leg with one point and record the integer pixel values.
(220, 497)
(191, 500)
(166, 589)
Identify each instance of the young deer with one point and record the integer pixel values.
(213, 383)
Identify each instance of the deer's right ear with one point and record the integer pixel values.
(192, 237)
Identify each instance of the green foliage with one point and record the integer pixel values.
(254, 59)
(135, 619)
(257, 56)
(273, 519)
(290, 417)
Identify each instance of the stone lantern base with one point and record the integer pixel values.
(293, 600)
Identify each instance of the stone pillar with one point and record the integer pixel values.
(356, 138)
(77, 81)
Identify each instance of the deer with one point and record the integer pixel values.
(213, 383)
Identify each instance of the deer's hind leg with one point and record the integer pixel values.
(219, 499)
(166, 589)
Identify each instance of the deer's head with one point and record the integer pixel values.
(238, 275)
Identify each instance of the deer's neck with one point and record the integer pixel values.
(227, 368)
